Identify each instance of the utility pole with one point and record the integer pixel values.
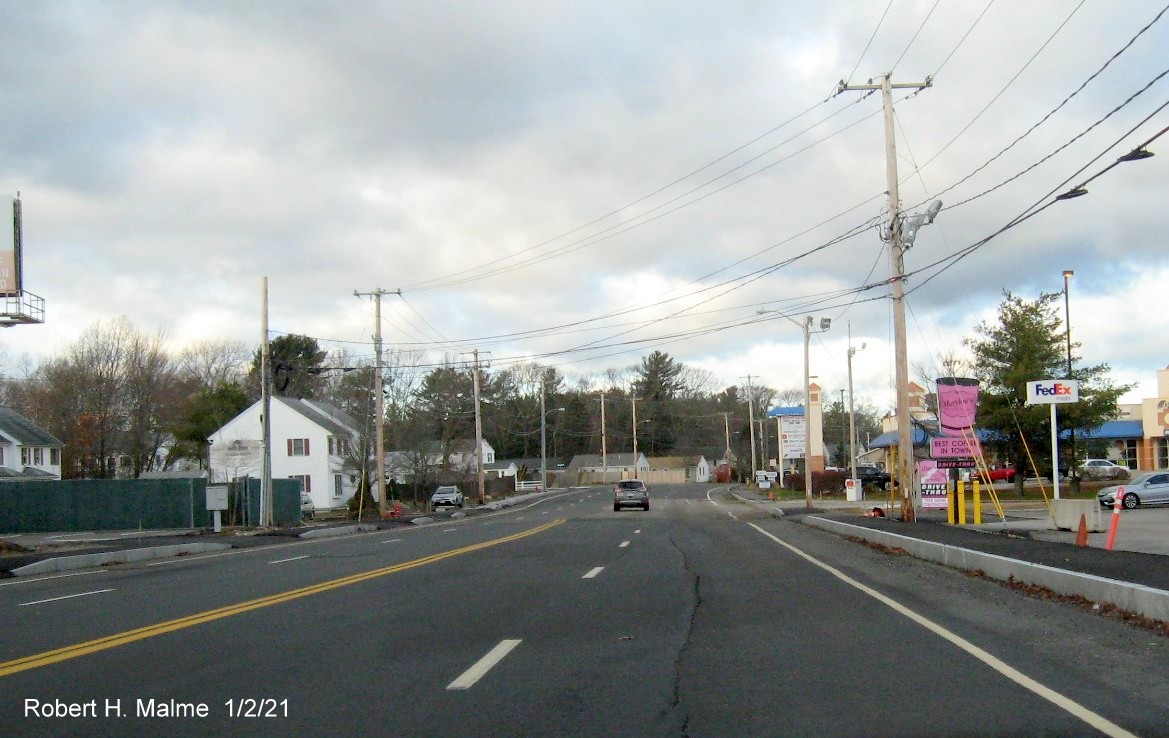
(380, 451)
(751, 422)
(265, 411)
(478, 432)
(904, 468)
(604, 455)
(634, 401)
(727, 432)
(543, 441)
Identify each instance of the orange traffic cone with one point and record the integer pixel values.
(1082, 534)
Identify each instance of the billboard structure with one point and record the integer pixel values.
(16, 305)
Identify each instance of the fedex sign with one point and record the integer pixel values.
(1053, 392)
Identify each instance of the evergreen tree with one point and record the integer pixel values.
(1028, 343)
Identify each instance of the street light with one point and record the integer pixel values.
(806, 326)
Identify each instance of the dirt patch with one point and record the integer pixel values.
(7, 547)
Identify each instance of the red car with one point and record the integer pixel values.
(996, 474)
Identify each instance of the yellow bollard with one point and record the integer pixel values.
(977, 503)
(961, 503)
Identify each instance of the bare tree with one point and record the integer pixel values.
(215, 362)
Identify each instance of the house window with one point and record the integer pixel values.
(306, 481)
(38, 457)
(298, 447)
(1162, 453)
(1, 456)
(333, 451)
(54, 456)
(24, 456)
(337, 485)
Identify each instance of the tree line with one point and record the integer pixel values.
(124, 404)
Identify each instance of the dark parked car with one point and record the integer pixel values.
(630, 493)
(872, 475)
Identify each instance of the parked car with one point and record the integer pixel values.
(446, 495)
(1103, 469)
(1149, 488)
(630, 493)
(872, 475)
(994, 474)
(307, 509)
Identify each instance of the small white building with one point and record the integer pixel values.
(310, 441)
(27, 451)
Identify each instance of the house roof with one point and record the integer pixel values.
(327, 416)
(594, 460)
(674, 462)
(458, 446)
(23, 431)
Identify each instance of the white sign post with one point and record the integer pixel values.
(1054, 392)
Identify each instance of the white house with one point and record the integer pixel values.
(460, 456)
(27, 451)
(310, 440)
(695, 468)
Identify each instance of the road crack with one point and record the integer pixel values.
(696, 603)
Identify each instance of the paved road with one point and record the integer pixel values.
(702, 617)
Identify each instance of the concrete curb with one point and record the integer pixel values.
(89, 561)
(776, 512)
(1136, 598)
(341, 530)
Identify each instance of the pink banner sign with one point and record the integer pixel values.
(957, 405)
(953, 448)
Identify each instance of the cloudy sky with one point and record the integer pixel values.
(582, 183)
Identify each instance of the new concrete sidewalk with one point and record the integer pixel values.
(1023, 548)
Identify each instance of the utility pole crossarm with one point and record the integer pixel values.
(845, 87)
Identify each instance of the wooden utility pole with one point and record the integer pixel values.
(266, 506)
(904, 468)
(604, 455)
(751, 423)
(478, 434)
(379, 401)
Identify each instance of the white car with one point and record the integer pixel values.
(446, 495)
(1103, 469)
(1150, 488)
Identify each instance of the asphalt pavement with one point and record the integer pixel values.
(1022, 545)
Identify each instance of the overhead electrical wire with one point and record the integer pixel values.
(429, 283)
(1116, 55)
(1007, 86)
(644, 218)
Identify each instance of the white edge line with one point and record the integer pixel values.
(66, 597)
(392, 540)
(294, 558)
(468, 678)
(592, 573)
(1076, 709)
(22, 580)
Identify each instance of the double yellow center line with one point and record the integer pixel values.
(120, 639)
